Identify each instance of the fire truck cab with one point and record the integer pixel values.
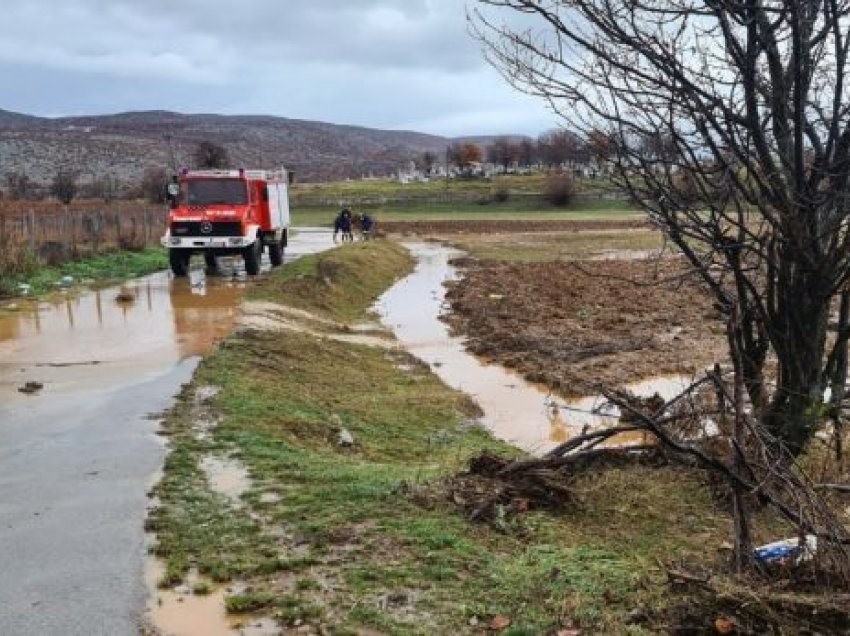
(226, 212)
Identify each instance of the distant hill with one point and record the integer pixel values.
(123, 145)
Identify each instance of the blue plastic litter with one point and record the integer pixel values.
(777, 553)
(787, 550)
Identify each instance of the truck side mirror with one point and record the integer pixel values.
(266, 194)
(290, 177)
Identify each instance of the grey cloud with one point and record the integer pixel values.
(384, 63)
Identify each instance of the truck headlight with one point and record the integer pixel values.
(174, 240)
(235, 240)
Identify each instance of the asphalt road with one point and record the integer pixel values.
(78, 457)
(73, 476)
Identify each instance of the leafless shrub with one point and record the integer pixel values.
(64, 186)
(559, 189)
(152, 186)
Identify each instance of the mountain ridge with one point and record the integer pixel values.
(123, 145)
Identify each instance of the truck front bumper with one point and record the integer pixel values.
(206, 242)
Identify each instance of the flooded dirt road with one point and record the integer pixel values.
(516, 411)
(78, 456)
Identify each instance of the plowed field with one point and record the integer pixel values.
(575, 325)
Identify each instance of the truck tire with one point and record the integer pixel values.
(211, 261)
(276, 253)
(253, 255)
(179, 261)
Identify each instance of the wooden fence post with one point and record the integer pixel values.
(145, 225)
(30, 223)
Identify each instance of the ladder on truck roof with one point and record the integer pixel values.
(279, 174)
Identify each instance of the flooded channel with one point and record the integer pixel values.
(516, 411)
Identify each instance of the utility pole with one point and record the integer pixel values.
(171, 153)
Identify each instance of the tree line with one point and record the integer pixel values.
(555, 148)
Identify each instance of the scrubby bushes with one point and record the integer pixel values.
(559, 189)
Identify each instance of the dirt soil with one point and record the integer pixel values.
(502, 226)
(576, 326)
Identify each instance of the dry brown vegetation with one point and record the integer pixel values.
(46, 233)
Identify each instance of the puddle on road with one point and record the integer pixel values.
(514, 410)
(88, 340)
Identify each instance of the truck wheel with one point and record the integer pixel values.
(179, 261)
(211, 261)
(276, 253)
(253, 254)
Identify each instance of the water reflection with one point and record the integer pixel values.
(106, 337)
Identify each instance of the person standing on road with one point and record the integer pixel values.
(366, 225)
(342, 225)
(337, 225)
(345, 226)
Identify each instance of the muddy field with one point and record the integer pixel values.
(576, 325)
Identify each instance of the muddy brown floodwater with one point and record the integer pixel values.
(85, 340)
(98, 339)
(78, 455)
(514, 410)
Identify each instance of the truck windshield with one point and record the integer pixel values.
(214, 191)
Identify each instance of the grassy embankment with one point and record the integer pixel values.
(330, 535)
(102, 269)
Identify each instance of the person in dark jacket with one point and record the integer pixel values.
(342, 225)
(366, 225)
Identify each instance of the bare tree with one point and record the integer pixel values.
(429, 159)
(19, 186)
(752, 103)
(558, 147)
(64, 186)
(153, 185)
(502, 152)
(526, 153)
(210, 155)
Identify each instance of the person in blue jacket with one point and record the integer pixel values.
(366, 225)
(342, 225)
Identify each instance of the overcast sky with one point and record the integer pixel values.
(399, 64)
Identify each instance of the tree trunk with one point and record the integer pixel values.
(838, 380)
(799, 341)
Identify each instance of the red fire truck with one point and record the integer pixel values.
(226, 212)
